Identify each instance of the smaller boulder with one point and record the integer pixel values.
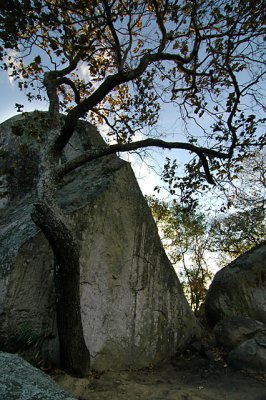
(231, 332)
(250, 355)
(21, 381)
(239, 288)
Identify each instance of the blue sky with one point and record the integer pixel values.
(10, 94)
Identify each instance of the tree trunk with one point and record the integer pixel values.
(75, 357)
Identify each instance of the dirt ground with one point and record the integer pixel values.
(186, 378)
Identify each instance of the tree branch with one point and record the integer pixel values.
(201, 152)
(161, 26)
(117, 46)
(233, 110)
(106, 87)
(50, 82)
(67, 81)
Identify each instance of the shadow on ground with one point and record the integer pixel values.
(195, 378)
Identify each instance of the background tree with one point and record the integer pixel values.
(206, 232)
(198, 237)
(233, 234)
(205, 57)
(244, 224)
(185, 236)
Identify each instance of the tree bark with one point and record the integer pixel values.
(75, 356)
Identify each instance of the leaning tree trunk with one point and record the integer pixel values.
(75, 357)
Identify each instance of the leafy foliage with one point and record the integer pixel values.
(244, 224)
(195, 235)
(184, 233)
(236, 233)
(116, 62)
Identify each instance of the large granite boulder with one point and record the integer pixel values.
(21, 381)
(134, 311)
(239, 289)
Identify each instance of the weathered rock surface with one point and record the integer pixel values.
(231, 332)
(239, 289)
(250, 355)
(21, 381)
(134, 311)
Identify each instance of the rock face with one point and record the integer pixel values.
(231, 332)
(250, 355)
(21, 381)
(244, 341)
(236, 305)
(134, 311)
(239, 289)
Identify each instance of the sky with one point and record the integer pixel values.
(10, 95)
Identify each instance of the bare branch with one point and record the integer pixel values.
(201, 152)
(69, 82)
(117, 46)
(232, 128)
(161, 25)
(107, 86)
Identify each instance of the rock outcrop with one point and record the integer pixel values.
(236, 307)
(134, 311)
(250, 355)
(244, 342)
(231, 332)
(239, 289)
(21, 381)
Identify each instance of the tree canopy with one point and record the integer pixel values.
(115, 62)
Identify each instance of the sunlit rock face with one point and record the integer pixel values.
(239, 289)
(134, 311)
